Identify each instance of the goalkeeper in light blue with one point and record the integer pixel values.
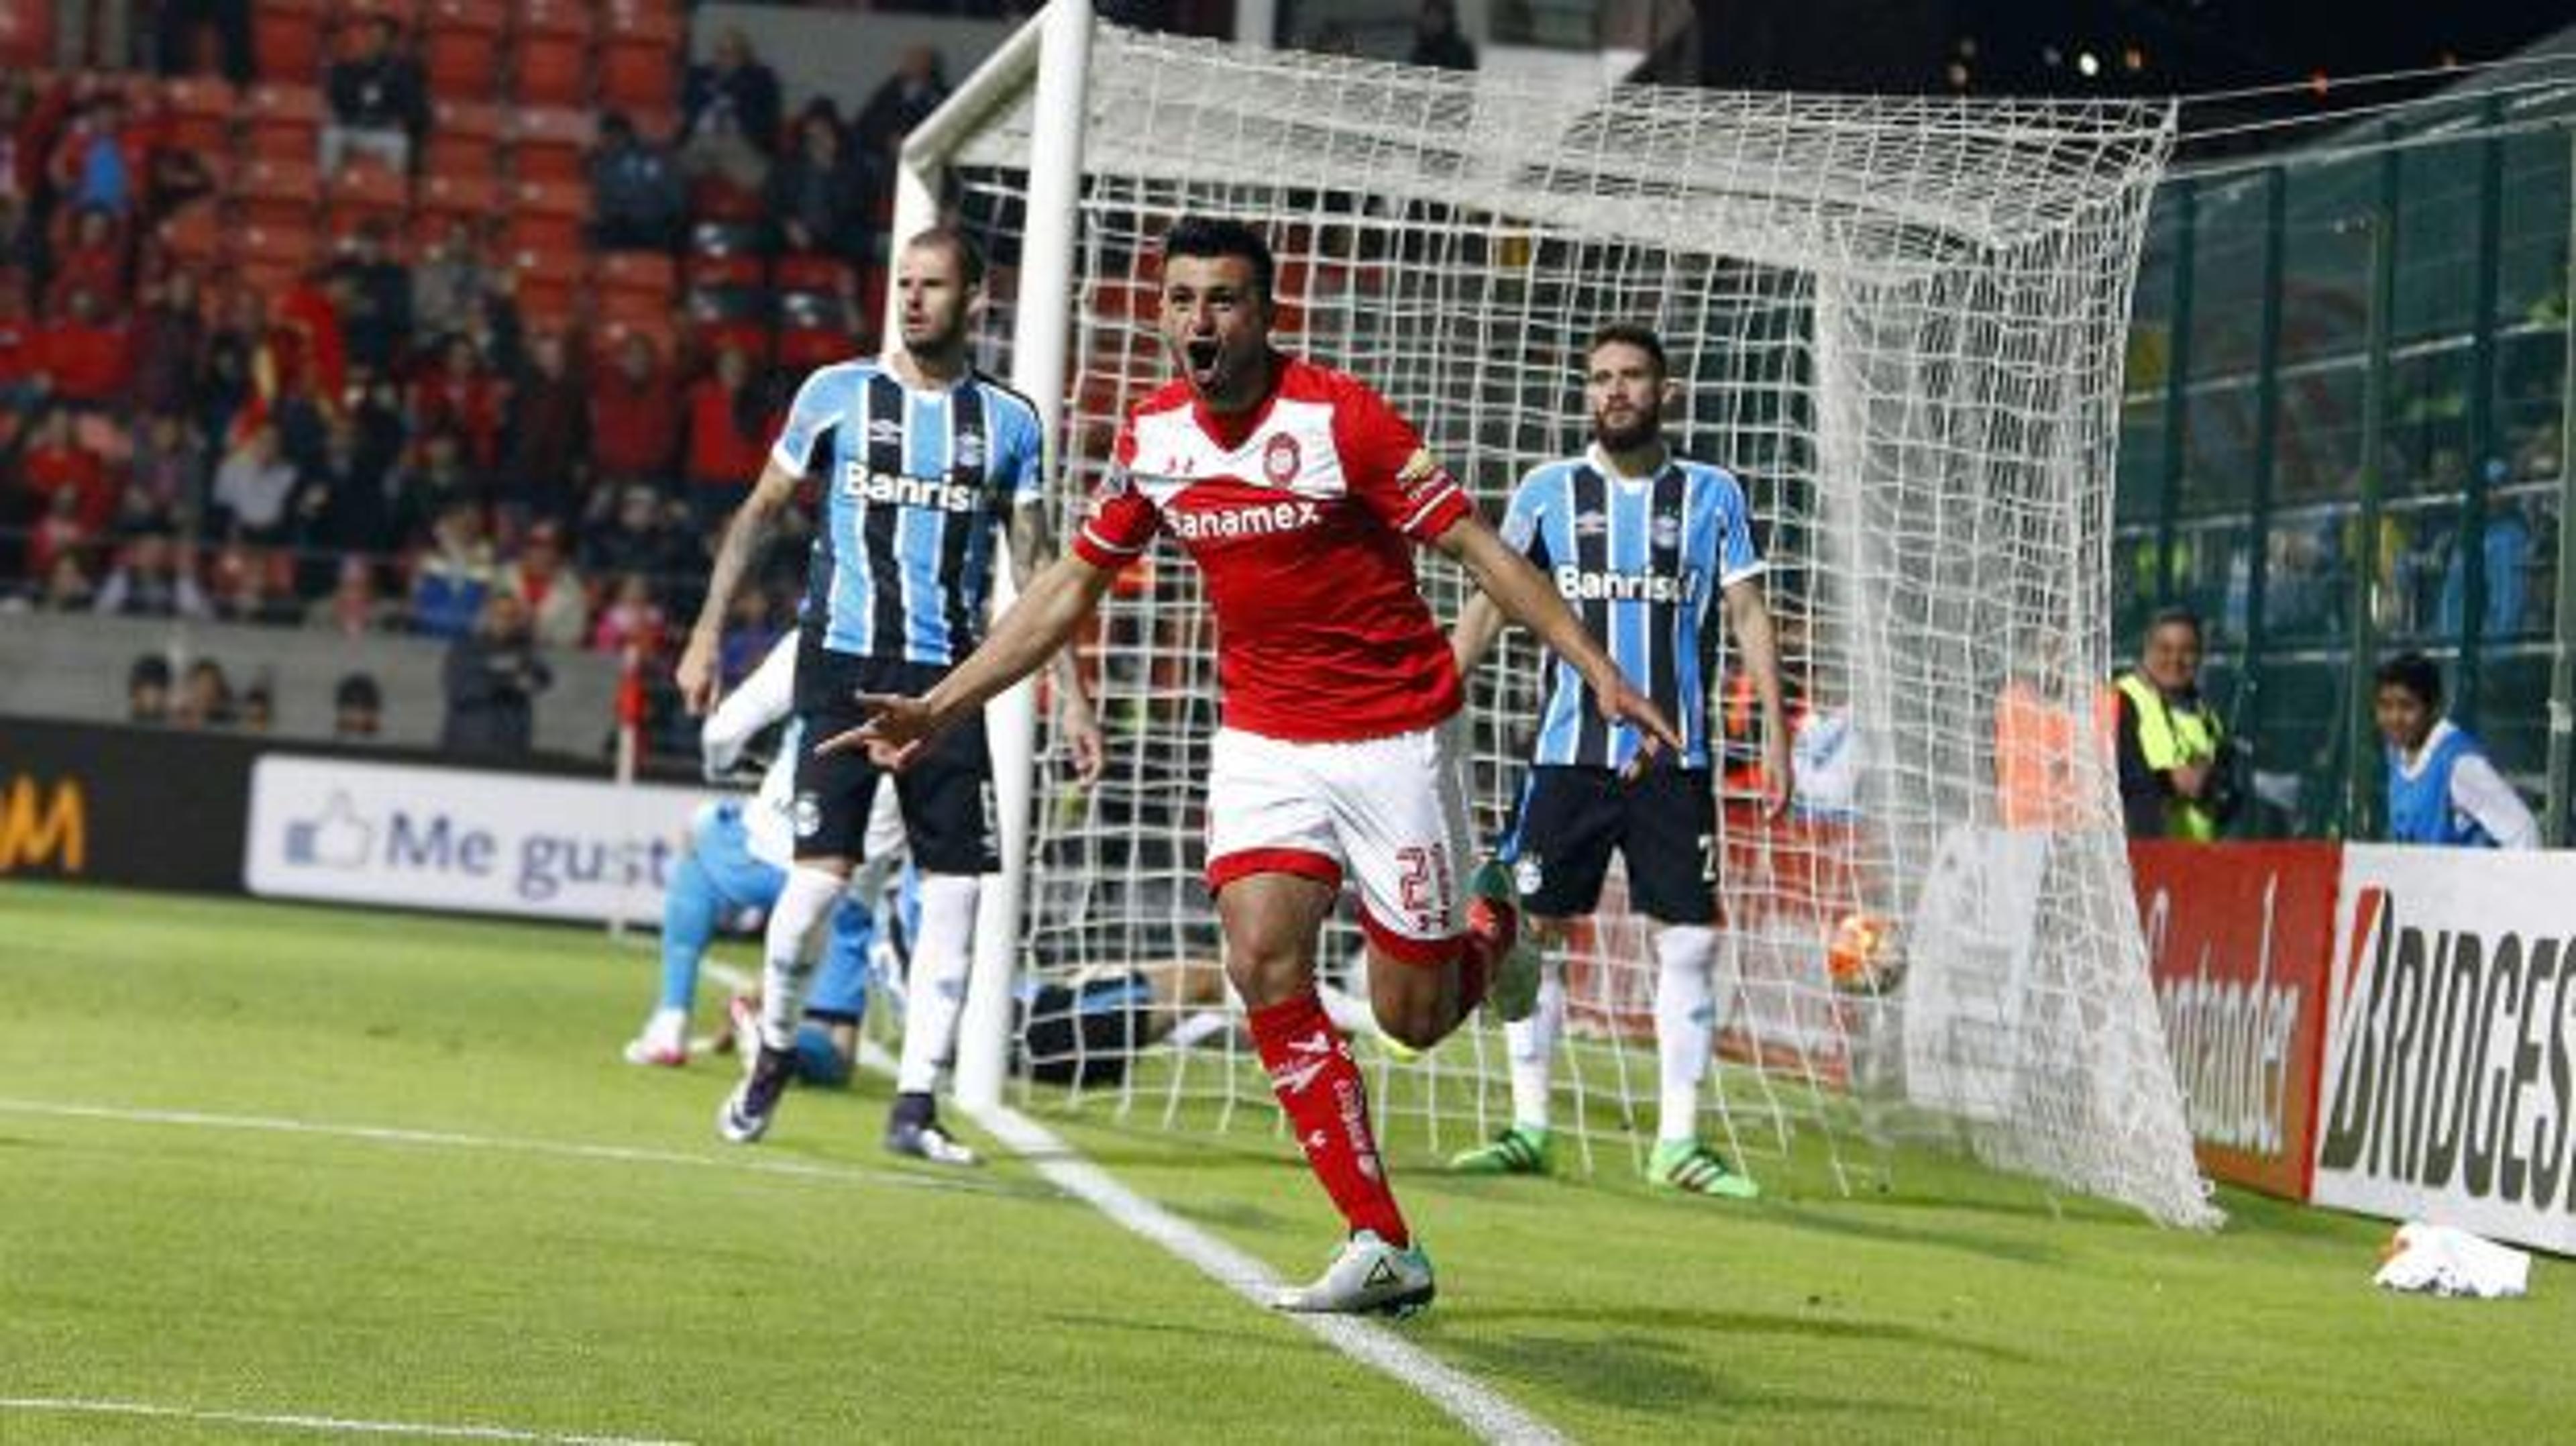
(733, 868)
(1647, 548)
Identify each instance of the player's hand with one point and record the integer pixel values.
(1623, 704)
(1779, 776)
(697, 674)
(897, 729)
(1082, 737)
(2191, 780)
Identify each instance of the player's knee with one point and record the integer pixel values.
(1415, 1023)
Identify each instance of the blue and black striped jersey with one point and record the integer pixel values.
(914, 483)
(1640, 560)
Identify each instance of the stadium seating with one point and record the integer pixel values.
(286, 37)
(278, 194)
(364, 192)
(550, 53)
(460, 47)
(283, 121)
(639, 51)
(464, 139)
(552, 144)
(201, 111)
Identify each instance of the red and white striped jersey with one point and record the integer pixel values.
(1302, 513)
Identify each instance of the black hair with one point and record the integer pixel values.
(357, 690)
(150, 670)
(2416, 674)
(1630, 333)
(970, 262)
(2176, 616)
(1209, 236)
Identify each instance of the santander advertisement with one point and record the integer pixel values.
(2237, 939)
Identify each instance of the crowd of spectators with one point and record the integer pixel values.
(393, 437)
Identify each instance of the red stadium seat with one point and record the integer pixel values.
(201, 109)
(27, 34)
(714, 198)
(803, 348)
(193, 237)
(364, 192)
(278, 195)
(546, 216)
(751, 337)
(464, 139)
(286, 40)
(640, 53)
(643, 274)
(552, 145)
(550, 284)
(460, 47)
(550, 53)
(283, 122)
(824, 275)
(349, 15)
(477, 198)
(663, 332)
(726, 269)
(271, 259)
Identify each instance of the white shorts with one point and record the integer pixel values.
(1387, 812)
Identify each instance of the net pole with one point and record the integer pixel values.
(1041, 332)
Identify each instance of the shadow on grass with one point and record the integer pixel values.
(1637, 1366)
(1847, 1223)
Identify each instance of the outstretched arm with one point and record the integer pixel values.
(749, 527)
(1034, 629)
(1750, 617)
(1522, 594)
(1032, 542)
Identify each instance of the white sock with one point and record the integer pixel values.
(1532, 1042)
(936, 992)
(1685, 1023)
(790, 947)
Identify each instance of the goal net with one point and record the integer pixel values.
(1899, 324)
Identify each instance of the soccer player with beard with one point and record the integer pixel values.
(1300, 494)
(1640, 543)
(919, 457)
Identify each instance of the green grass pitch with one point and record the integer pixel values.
(559, 1245)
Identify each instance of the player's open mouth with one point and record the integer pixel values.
(1202, 354)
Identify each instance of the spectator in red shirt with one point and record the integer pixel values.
(55, 461)
(307, 348)
(19, 356)
(462, 397)
(88, 354)
(546, 465)
(634, 417)
(728, 439)
(59, 535)
(631, 620)
(93, 260)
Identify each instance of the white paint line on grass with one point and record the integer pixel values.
(565, 1149)
(1470, 1402)
(334, 1425)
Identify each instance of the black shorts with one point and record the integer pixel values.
(1664, 823)
(947, 793)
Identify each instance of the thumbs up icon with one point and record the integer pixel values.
(339, 839)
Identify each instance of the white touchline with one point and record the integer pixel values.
(1471, 1403)
(568, 1149)
(336, 1425)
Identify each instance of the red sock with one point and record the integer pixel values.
(1318, 1085)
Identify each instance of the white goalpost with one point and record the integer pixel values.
(1899, 322)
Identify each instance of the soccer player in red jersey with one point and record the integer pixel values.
(1300, 493)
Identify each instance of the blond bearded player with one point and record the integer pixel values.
(1299, 492)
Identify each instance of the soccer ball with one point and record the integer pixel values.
(1862, 957)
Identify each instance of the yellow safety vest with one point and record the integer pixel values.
(2170, 739)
